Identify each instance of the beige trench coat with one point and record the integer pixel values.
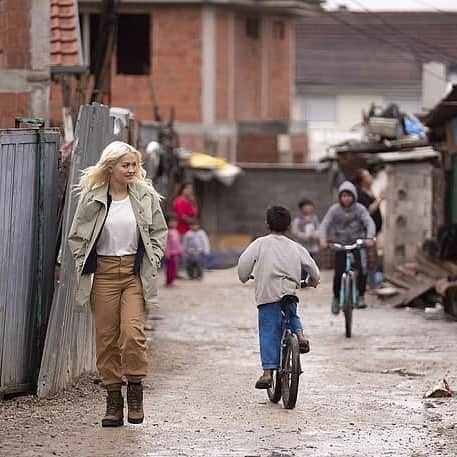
(88, 222)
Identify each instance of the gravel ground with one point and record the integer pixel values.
(358, 397)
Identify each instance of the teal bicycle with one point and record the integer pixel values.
(348, 293)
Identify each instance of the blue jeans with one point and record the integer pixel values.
(270, 329)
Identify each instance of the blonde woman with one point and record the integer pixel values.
(118, 235)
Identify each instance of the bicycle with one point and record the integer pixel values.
(348, 291)
(286, 379)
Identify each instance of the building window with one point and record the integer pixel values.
(133, 49)
(252, 28)
(279, 30)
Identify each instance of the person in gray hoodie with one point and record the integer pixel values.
(346, 222)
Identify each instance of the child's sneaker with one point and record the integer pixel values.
(335, 306)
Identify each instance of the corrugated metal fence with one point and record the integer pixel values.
(28, 211)
(70, 342)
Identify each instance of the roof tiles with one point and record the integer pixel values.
(65, 36)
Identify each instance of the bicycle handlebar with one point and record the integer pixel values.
(347, 247)
(303, 283)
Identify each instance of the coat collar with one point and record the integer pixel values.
(137, 189)
(100, 194)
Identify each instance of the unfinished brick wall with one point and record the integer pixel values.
(252, 70)
(279, 61)
(257, 147)
(14, 34)
(222, 66)
(14, 55)
(175, 68)
(248, 72)
(12, 105)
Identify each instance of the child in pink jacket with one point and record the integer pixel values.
(173, 251)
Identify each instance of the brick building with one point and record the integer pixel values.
(24, 59)
(225, 67)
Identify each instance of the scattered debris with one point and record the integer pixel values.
(427, 282)
(386, 291)
(402, 372)
(439, 390)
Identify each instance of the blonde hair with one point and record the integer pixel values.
(98, 175)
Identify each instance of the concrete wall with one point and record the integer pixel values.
(241, 207)
(408, 212)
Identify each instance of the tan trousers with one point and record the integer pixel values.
(118, 309)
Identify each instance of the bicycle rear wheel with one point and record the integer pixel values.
(274, 392)
(290, 372)
(347, 305)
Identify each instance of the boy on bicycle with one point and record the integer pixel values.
(276, 263)
(347, 221)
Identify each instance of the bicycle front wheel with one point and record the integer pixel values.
(291, 372)
(274, 392)
(347, 305)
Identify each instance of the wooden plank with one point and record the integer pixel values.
(396, 281)
(451, 267)
(431, 265)
(406, 270)
(411, 294)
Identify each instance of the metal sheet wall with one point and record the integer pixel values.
(22, 323)
(70, 340)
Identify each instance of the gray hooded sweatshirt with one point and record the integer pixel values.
(346, 225)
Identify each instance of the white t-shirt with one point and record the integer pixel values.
(120, 234)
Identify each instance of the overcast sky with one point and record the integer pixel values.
(396, 5)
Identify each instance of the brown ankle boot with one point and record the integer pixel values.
(135, 402)
(114, 416)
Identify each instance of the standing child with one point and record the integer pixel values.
(305, 227)
(276, 263)
(196, 249)
(348, 221)
(173, 250)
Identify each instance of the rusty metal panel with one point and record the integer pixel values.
(70, 339)
(21, 322)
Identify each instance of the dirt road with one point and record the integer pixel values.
(358, 397)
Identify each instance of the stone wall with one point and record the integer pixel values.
(408, 216)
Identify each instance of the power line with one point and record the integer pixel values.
(406, 53)
(429, 5)
(431, 49)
